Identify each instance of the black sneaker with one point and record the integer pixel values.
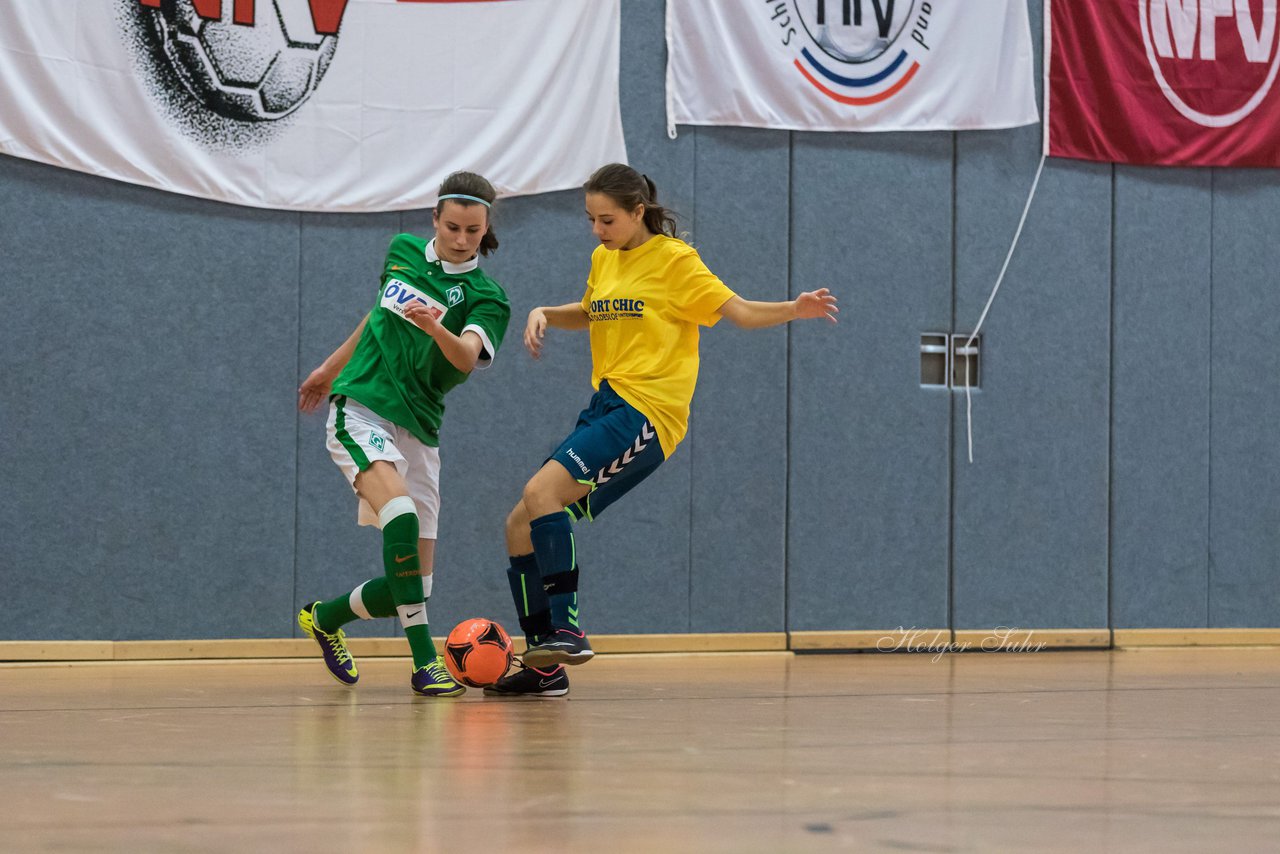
(531, 682)
(560, 647)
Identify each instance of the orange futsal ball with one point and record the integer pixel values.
(478, 652)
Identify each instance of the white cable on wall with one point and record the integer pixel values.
(670, 83)
(968, 398)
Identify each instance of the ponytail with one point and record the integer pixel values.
(629, 188)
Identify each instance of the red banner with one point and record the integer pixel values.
(1168, 82)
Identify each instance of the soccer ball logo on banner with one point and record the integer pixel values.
(224, 70)
(261, 72)
(861, 52)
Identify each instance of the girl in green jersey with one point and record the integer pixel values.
(437, 317)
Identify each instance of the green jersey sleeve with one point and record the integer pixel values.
(404, 257)
(487, 316)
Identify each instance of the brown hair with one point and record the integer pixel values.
(629, 188)
(471, 184)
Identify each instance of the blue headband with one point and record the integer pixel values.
(466, 197)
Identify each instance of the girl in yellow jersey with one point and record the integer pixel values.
(647, 295)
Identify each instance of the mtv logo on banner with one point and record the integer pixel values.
(1168, 82)
(859, 65)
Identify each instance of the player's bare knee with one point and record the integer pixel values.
(535, 494)
(518, 518)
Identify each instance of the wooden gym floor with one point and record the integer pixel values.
(1150, 750)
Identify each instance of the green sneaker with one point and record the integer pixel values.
(434, 681)
(334, 646)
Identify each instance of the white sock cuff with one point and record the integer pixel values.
(426, 586)
(398, 506)
(356, 601)
(412, 615)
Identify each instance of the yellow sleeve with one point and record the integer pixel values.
(591, 283)
(698, 293)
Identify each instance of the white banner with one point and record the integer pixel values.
(314, 105)
(850, 65)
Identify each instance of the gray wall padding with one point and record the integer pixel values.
(160, 484)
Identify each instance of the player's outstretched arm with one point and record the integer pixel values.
(568, 316)
(315, 388)
(750, 314)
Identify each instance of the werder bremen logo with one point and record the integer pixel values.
(454, 296)
(378, 442)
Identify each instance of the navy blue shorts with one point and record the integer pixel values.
(612, 449)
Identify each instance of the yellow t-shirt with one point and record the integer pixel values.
(645, 306)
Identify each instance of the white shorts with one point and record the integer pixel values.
(365, 437)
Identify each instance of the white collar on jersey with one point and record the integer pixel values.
(448, 266)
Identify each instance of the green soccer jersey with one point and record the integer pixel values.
(397, 370)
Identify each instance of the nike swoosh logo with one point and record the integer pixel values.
(400, 559)
(414, 614)
(546, 683)
(398, 267)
